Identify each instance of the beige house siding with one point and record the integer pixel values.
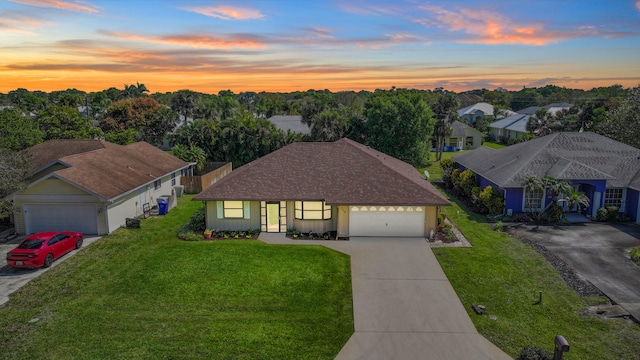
(343, 221)
(52, 191)
(317, 226)
(430, 219)
(213, 222)
(128, 206)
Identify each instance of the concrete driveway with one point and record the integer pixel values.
(13, 279)
(597, 252)
(404, 306)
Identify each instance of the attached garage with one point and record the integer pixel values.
(403, 221)
(61, 217)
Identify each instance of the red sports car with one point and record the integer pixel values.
(42, 249)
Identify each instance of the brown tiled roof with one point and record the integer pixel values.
(340, 173)
(102, 168)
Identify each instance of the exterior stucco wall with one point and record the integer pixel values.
(633, 205)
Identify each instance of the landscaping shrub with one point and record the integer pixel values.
(634, 254)
(492, 200)
(195, 224)
(498, 226)
(534, 353)
(602, 215)
(522, 217)
(555, 213)
(468, 181)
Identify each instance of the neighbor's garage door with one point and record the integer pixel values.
(61, 217)
(386, 221)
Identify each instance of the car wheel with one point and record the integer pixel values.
(79, 243)
(48, 260)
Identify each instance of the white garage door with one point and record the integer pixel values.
(386, 220)
(61, 217)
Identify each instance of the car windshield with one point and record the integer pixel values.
(31, 244)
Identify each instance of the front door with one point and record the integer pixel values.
(273, 217)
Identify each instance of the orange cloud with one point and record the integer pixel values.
(227, 12)
(638, 5)
(239, 41)
(487, 27)
(79, 6)
(17, 24)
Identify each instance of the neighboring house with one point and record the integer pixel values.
(465, 137)
(92, 185)
(291, 123)
(340, 186)
(607, 171)
(474, 113)
(515, 126)
(510, 128)
(553, 108)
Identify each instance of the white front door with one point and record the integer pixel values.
(273, 217)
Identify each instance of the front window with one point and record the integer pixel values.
(469, 141)
(157, 184)
(312, 210)
(533, 199)
(613, 197)
(173, 179)
(233, 209)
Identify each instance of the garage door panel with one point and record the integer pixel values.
(386, 221)
(61, 217)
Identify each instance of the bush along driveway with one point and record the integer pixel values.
(144, 294)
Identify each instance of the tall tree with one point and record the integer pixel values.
(623, 121)
(399, 123)
(17, 132)
(134, 91)
(63, 122)
(446, 112)
(13, 168)
(184, 102)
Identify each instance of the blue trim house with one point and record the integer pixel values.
(607, 171)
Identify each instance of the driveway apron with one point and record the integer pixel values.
(404, 306)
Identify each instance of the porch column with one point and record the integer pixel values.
(596, 203)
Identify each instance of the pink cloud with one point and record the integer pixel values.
(227, 12)
(486, 27)
(79, 6)
(198, 41)
(638, 5)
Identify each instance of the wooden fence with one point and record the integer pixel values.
(212, 172)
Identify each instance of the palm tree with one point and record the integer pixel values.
(531, 183)
(574, 198)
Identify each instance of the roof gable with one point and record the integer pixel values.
(342, 172)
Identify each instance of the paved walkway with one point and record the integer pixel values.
(404, 306)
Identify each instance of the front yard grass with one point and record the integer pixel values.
(144, 294)
(506, 276)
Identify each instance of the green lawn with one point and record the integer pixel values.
(506, 276)
(493, 145)
(435, 171)
(144, 294)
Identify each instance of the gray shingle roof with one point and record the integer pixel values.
(341, 173)
(586, 156)
(516, 122)
(486, 108)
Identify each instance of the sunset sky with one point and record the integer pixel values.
(287, 45)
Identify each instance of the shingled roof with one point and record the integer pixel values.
(104, 169)
(341, 173)
(565, 155)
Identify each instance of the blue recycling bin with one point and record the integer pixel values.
(163, 206)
